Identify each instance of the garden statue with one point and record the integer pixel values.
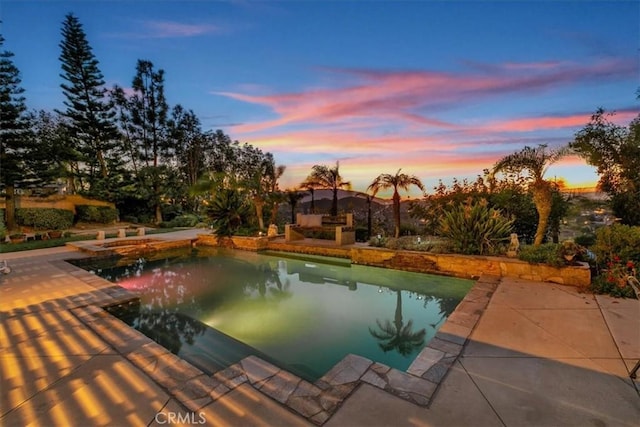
(272, 231)
(514, 246)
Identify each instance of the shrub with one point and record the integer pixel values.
(246, 231)
(587, 239)
(44, 218)
(474, 228)
(187, 220)
(603, 284)
(548, 253)
(3, 229)
(617, 242)
(228, 211)
(100, 214)
(378, 241)
(554, 254)
(130, 218)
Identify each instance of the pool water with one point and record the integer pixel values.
(215, 306)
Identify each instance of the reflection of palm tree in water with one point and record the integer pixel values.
(267, 280)
(396, 335)
(447, 305)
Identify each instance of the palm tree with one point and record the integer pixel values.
(293, 197)
(262, 184)
(397, 335)
(399, 180)
(310, 187)
(325, 177)
(535, 161)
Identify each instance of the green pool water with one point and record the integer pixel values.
(216, 306)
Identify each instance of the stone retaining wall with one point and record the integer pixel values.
(465, 266)
(236, 242)
(332, 251)
(470, 266)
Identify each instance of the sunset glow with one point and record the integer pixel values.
(436, 89)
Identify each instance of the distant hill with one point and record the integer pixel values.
(345, 204)
(328, 194)
(588, 193)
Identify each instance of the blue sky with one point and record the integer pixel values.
(439, 89)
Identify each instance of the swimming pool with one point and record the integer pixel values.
(216, 306)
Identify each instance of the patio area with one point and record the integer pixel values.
(538, 354)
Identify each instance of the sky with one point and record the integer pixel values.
(440, 89)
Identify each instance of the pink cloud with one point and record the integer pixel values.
(537, 123)
(377, 121)
(528, 124)
(403, 97)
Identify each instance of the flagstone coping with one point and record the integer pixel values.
(317, 401)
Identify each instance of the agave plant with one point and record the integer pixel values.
(228, 211)
(474, 228)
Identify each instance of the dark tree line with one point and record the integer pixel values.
(129, 147)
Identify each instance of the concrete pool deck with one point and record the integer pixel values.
(540, 354)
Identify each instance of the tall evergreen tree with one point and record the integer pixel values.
(90, 116)
(148, 108)
(56, 159)
(189, 143)
(14, 132)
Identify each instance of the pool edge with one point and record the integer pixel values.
(316, 402)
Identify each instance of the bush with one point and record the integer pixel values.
(475, 229)
(603, 285)
(247, 231)
(378, 242)
(130, 218)
(587, 239)
(617, 242)
(411, 243)
(3, 229)
(229, 211)
(44, 218)
(187, 220)
(548, 253)
(100, 214)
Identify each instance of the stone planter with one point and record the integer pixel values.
(55, 234)
(18, 238)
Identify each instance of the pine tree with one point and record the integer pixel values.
(90, 115)
(148, 108)
(14, 132)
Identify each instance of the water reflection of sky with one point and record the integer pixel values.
(304, 313)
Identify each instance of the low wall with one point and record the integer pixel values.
(236, 242)
(332, 251)
(465, 266)
(470, 266)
